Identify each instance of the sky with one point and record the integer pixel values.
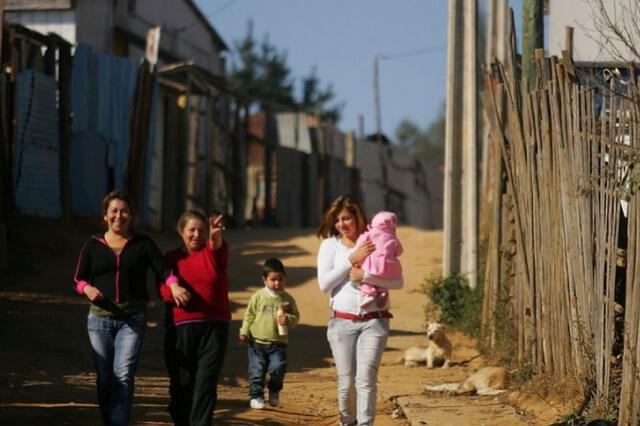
(341, 38)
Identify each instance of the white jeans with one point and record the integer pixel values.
(357, 349)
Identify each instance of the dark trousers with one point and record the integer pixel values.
(263, 359)
(194, 354)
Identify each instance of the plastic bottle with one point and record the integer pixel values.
(282, 329)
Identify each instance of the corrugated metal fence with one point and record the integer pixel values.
(37, 150)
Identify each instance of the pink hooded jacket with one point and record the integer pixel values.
(382, 262)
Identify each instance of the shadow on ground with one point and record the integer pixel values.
(47, 376)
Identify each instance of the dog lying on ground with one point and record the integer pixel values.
(486, 381)
(437, 352)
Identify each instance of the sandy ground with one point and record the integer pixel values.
(47, 376)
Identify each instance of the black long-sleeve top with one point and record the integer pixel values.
(121, 277)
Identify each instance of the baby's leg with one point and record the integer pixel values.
(383, 297)
(368, 294)
(367, 289)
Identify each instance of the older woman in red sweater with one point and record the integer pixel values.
(197, 318)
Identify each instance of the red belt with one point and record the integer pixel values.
(365, 317)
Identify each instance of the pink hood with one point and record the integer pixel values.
(384, 221)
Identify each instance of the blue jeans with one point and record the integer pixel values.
(115, 343)
(263, 359)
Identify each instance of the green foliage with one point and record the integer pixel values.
(427, 144)
(573, 419)
(460, 306)
(523, 374)
(314, 98)
(260, 70)
(505, 336)
(408, 134)
(603, 410)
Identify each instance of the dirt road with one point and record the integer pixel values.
(47, 376)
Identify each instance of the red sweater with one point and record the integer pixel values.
(204, 274)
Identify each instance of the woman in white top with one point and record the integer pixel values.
(357, 336)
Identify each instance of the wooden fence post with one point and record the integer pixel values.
(4, 251)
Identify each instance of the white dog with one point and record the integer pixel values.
(486, 381)
(437, 352)
(439, 348)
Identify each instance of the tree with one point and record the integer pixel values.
(408, 134)
(313, 98)
(261, 72)
(616, 28)
(425, 144)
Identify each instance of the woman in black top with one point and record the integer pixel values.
(111, 273)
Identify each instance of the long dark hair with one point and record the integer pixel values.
(117, 194)
(327, 226)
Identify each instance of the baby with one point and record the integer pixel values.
(382, 262)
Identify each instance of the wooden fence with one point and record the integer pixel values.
(563, 217)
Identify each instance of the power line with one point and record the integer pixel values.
(414, 53)
(221, 8)
(208, 15)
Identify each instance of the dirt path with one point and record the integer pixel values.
(47, 376)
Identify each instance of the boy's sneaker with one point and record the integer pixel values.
(256, 403)
(274, 399)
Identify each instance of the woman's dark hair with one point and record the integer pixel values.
(191, 214)
(272, 265)
(327, 226)
(117, 194)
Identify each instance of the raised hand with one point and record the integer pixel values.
(215, 230)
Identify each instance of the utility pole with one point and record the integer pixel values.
(376, 96)
(500, 27)
(461, 163)
(494, 51)
(4, 206)
(496, 30)
(532, 36)
(1, 24)
(469, 145)
(452, 164)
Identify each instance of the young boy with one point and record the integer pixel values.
(269, 310)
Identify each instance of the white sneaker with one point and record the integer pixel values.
(274, 399)
(256, 403)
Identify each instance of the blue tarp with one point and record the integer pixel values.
(150, 149)
(37, 174)
(102, 89)
(89, 173)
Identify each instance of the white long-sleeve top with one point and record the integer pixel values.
(333, 276)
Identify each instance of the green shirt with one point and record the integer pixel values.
(109, 309)
(259, 321)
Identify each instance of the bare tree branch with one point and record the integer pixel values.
(617, 28)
